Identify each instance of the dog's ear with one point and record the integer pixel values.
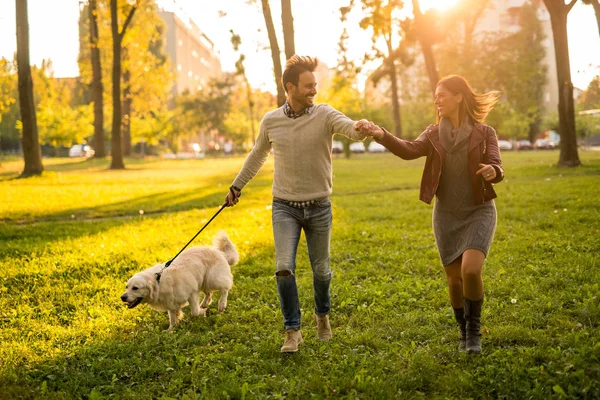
(152, 285)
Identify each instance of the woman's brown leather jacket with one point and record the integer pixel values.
(483, 148)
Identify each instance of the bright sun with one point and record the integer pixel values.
(439, 4)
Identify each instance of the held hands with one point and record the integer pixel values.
(368, 128)
(232, 197)
(487, 172)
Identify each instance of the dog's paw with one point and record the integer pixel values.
(202, 312)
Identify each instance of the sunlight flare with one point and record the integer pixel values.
(439, 4)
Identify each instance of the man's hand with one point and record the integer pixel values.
(368, 128)
(233, 196)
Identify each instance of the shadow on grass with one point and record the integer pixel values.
(25, 241)
(90, 165)
(210, 194)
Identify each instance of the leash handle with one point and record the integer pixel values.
(158, 274)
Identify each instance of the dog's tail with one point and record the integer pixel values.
(222, 242)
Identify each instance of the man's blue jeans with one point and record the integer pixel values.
(288, 222)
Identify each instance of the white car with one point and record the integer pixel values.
(544, 144)
(375, 147)
(505, 145)
(337, 147)
(81, 150)
(357, 147)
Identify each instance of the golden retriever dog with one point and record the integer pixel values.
(198, 269)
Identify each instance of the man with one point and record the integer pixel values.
(300, 135)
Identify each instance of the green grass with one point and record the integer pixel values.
(71, 238)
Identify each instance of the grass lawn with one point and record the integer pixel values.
(70, 239)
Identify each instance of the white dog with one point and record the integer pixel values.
(199, 269)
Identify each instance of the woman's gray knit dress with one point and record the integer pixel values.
(458, 223)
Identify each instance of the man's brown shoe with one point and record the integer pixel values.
(323, 327)
(293, 339)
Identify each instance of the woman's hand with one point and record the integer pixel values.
(368, 128)
(487, 172)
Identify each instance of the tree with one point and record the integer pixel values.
(59, 122)
(117, 38)
(237, 120)
(9, 135)
(146, 89)
(287, 20)
(236, 41)
(31, 146)
(127, 105)
(6, 85)
(61, 117)
(96, 85)
(275, 53)
(596, 5)
(558, 10)
(461, 50)
(591, 97)
(205, 110)
(381, 18)
(517, 62)
(425, 36)
(145, 67)
(342, 94)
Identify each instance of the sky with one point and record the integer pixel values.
(54, 33)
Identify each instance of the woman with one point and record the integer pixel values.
(463, 161)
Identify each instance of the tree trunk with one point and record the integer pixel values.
(116, 151)
(395, 101)
(251, 109)
(426, 46)
(127, 100)
(469, 28)
(569, 156)
(535, 129)
(394, 81)
(32, 152)
(97, 89)
(275, 54)
(115, 140)
(596, 5)
(287, 20)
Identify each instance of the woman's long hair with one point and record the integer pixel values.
(478, 106)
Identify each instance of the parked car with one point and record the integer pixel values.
(524, 145)
(337, 147)
(357, 147)
(81, 150)
(505, 145)
(375, 147)
(544, 144)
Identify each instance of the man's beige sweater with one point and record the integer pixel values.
(302, 150)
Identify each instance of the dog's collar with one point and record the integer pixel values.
(158, 274)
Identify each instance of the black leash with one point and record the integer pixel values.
(158, 274)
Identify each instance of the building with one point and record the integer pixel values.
(194, 59)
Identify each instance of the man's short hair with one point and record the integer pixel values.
(295, 66)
